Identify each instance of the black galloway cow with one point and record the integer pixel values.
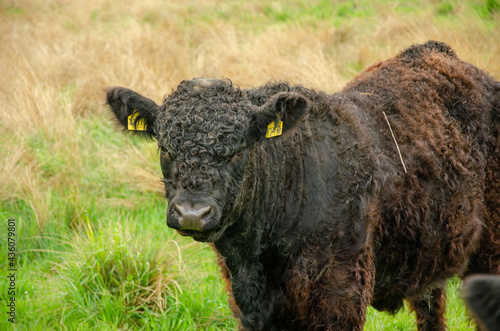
(321, 204)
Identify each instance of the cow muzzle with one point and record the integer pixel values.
(192, 219)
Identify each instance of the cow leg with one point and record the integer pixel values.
(430, 312)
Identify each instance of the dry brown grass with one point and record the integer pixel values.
(58, 55)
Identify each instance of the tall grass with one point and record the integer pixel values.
(113, 266)
(94, 250)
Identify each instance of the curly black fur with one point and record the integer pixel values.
(203, 128)
(314, 225)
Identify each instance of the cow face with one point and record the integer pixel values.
(205, 131)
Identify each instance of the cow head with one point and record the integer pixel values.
(205, 130)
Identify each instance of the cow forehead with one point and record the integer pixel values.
(213, 120)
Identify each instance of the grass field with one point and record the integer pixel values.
(93, 249)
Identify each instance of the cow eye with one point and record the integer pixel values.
(236, 157)
(166, 154)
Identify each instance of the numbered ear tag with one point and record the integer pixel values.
(140, 125)
(274, 130)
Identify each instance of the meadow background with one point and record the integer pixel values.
(94, 251)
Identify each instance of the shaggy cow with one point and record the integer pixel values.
(482, 295)
(321, 204)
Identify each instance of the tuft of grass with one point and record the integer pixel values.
(492, 6)
(445, 8)
(112, 275)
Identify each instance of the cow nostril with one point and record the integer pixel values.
(206, 210)
(179, 209)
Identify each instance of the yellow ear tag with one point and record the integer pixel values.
(273, 131)
(139, 126)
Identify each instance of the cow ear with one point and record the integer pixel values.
(133, 112)
(281, 113)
